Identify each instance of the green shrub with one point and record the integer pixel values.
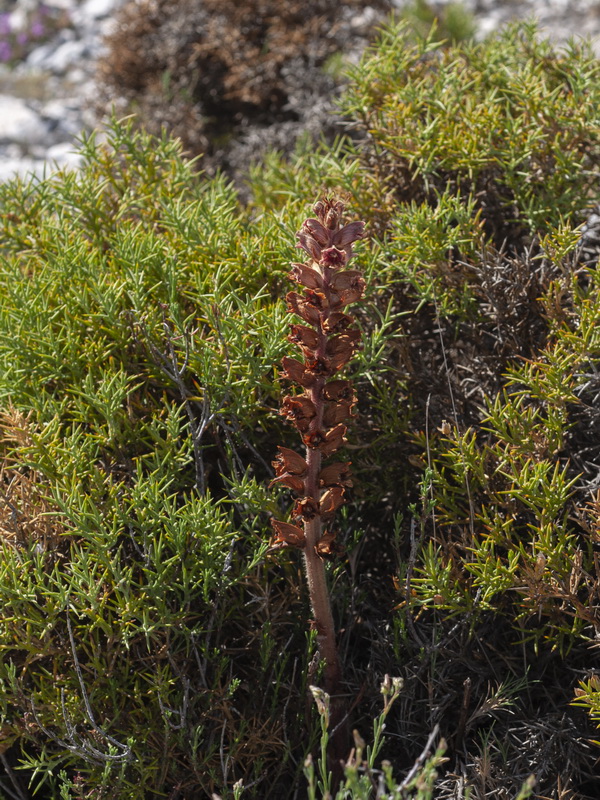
(138, 342)
(476, 165)
(149, 645)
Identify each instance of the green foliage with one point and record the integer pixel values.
(149, 643)
(505, 125)
(138, 341)
(453, 21)
(361, 777)
(588, 696)
(518, 501)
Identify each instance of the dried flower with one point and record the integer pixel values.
(327, 341)
(287, 535)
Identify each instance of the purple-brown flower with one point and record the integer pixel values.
(327, 339)
(318, 408)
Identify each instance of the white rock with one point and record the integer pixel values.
(98, 8)
(38, 56)
(66, 55)
(19, 123)
(93, 10)
(63, 155)
(11, 167)
(63, 5)
(20, 14)
(56, 109)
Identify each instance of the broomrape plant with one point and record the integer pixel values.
(327, 341)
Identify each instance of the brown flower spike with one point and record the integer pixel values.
(327, 341)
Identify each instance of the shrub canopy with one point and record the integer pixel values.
(150, 646)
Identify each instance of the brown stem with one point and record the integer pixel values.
(315, 568)
(318, 590)
(321, 604)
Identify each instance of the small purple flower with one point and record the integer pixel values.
(4, 24)
(5, 51)
(37, 29)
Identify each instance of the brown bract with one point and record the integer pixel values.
(339, 351)
(326, 442)
(337, 412)
(339, 390)
(302, 273)
(338, 322)
(294, 370)
(289, 469)
(289, 461)
(306, 338)
(286, 535)
(327, 547)
(318, 231)
(336, 474)
(304, 307)
(299, 410)
(331, 500)
(310, 245)
(306, 508)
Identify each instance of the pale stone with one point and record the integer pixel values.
(65, 56)
(13, 167)
(63, 154)
(19, 123)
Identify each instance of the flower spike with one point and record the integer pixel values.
(327, 339)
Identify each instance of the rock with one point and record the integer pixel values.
(41, 56)
(19, 123)
(66, 55)
(91, 11)
(63, 154)
(11, 167)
